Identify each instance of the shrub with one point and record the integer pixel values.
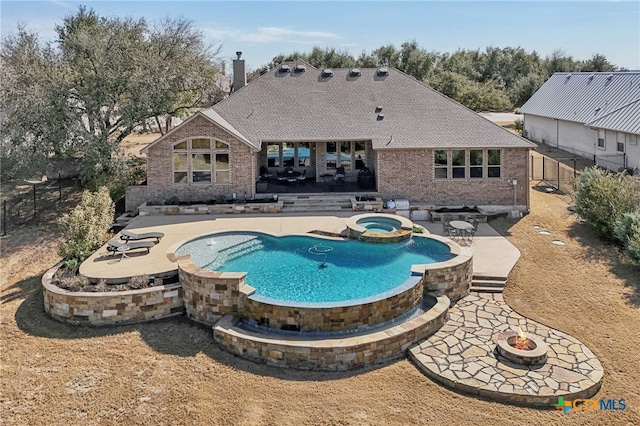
(603, 198)
(102, 286)
(627, 231)
(518, 125)
(69, 280)
(85, 228)
(172, 201)
(138, 282)
(633, 248)
(627, 226)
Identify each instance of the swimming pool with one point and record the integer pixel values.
(313, 270)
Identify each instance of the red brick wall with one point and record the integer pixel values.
(160, 168)
(410, 174)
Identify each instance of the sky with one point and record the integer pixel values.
(264, 29)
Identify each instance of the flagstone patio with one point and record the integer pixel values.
(461, 355)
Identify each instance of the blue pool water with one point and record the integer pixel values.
(380, 224)
(308, 269)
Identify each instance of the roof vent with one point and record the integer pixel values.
(383, 71)
(378, 108)
(380, 117)
(285, 68)
(300, 68)
(355, 72)
(264, 71)
(610, 76)
(568, 76)
(327, 72)
(591, 76)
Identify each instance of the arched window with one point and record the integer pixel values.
(192, 162)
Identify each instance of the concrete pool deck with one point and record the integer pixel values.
(493, 255)
(460, 354)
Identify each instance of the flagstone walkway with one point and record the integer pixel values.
(461, 355)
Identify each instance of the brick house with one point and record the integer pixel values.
(420, 145)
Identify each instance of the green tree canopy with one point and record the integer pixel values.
(102, 78)
(493, 79)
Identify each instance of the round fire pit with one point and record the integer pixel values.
(533, 351)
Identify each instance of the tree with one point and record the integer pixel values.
(103, 78)
(597, 63)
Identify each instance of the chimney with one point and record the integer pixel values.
(239, 73)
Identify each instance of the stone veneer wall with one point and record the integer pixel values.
(345, 353)
(109, 308)
(451, 278)
(209, 295)
(323, 317)
(146, 210)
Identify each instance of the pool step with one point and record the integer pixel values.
(237, 250)
(487, 284)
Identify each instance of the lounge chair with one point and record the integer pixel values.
(114, 246)
(126, 235)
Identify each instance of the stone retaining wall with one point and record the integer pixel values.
(451, 278)
(209, 295)
(277, 314)
(336, 354)
(199, 209)
(109, 308)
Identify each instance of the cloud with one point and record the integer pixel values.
(62, 4)
(273, 34)
(270, 35)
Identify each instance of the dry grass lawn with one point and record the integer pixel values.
(171, 372)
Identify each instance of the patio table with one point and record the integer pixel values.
(465, 229)
(461, 225)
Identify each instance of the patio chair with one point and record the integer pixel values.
(126, 235)
(114, 246)
(303, 177)
(449, 230)
(472, 232)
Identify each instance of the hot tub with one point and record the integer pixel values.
(379, 228)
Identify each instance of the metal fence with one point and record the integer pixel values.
(33, 201)
(559, 173)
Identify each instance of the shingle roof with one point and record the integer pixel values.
(305, 106)
(589, 98)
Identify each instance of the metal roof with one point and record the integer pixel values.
(625, 119)
(590, 98)
(311, 107)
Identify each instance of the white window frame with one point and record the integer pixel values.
(493, 166)
(632, 139)
(620, 140)
(215, 147)
(441, 167)
(462, 167)
(601, 132)
(478, 166)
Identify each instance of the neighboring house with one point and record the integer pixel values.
(421, 145)
(594, 115)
